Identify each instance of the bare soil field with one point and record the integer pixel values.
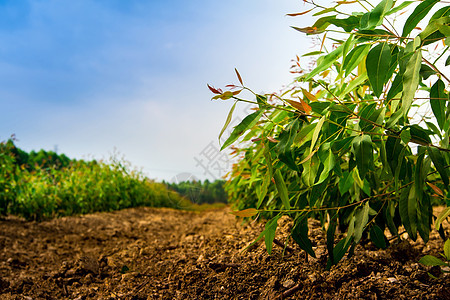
(149, 253)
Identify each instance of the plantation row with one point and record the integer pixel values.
(44, 185)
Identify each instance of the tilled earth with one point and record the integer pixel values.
(148, 253)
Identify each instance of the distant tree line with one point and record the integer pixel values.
(201, 192)
(44, 184)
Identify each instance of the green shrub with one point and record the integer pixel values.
(351, 142)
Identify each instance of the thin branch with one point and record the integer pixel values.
(436, 69)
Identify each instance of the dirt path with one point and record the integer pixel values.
(148, 253)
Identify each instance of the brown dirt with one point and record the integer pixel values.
(148, 253)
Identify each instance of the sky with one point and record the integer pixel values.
(95, 78)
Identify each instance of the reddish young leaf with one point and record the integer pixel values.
(249, 212)
(296, 105)
(308, 30)
(272, 139)
(436, 189)
(214, 90)
(306, 108)
(325, 73)
(300, 13)
(239, 76)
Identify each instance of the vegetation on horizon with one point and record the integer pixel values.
(44, 185)
(361, 141)
(199, 192)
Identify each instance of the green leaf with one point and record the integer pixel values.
(417, 15)
(424, 216)
(312, 53)
(426, 72)
(405, 135)
(442, 216)
(287, 136)
(247, 123)
(429, 260)
(327, 10)
(363, 150)
(376, 16)
(340, 249)
(305, 134)
(330, 241)
(370, 116)
(438, 101)
(345, 183)
(325, 62)
(270, 229)
(300, 236)
(433, 128)
(322, 23)
(389, 213)
(284, 148)
(227, 122)
(398, 8)
(361, 219)
(435, 30)
(317, 192)
(384, 160)
(282, 189)
(328, 160)
(444, 11)
(403, 209)
(447, 61)
(377, 63)
(419, 177)
(353, 84)
(269, 235)
(316, 133)
(447, 249)
(347, 24)
(310, 168)
(412, 213)
(396, 87)
(342, 145)
(439, 163)
(377, 237)
(420, 135)
(395, 117)
(394, 149)
(411, 79)
(264, 188)
(319, 106)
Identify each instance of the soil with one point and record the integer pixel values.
(149, 253)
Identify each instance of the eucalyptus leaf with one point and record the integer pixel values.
(417, 15)
(377, 237)
(300, 235)
(247, 123)
(438, 100)
(377, 62)
(411, 79)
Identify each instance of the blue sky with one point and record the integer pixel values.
(94, 77)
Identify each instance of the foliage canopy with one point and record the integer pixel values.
(361, 141)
